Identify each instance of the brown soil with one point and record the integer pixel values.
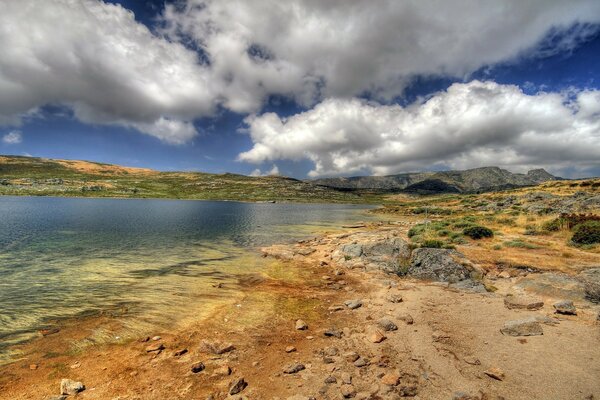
(454, 339)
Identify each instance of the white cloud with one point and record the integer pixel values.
(13, 137)
(272, 172)
(469, 125)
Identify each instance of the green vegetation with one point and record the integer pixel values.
(478, 232)
(587, 233)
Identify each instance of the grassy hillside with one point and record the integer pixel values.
(46, 177)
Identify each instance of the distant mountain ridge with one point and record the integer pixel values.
(465, 181)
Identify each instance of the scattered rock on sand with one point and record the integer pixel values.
(222, 371)
(155, 347)
(346, 378)
(361, 362)
(333, 333)
(180, 352)
(351, 356)
(522, 327)
(301, 325)
(290, 349)
(330, 379)
(407, 318)
(565, 307)
(237, 385)
(61, 397)
(69, 387)
(198, 367)
(523, 303)
(495, 373)
(331, 351)
(394, 298)
(387, 325)
(353, 304)
(348, 391)
(216, 347)
(293, 368)
(391, 379)
(375, 336)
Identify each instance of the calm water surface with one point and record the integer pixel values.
(157, 259)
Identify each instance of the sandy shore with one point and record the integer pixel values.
(365, 334)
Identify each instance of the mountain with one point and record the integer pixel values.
(32, 176)
(467, 181)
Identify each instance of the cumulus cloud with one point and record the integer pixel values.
(13, 137)
(272, 172)
(468, 125)
(341, 48)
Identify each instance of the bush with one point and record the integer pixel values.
(587, 233)
(435, 244)
(478, 232)
(569, 221)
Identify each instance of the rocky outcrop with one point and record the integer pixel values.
(388, 253)
(440, 265)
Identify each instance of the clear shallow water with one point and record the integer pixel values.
(156, 259)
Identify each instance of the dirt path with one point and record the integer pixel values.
(405, 339)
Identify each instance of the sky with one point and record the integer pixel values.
(304, 88)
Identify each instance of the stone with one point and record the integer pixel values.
(301, 325)
(394, 298)
(156, 338)
(472, 360)
(361, 362)
(523, 303)
(351, 356)
(293, 368)
(495, 373)
(463, 396)
(198, 367)
(328, 360)
(216, 347)
(348, 391)
(61, 397)
(333, 333)
(330, 379)
(375, 336)
(523, 327)
(290, 349)
(346, 378)
(336, 308)
(565, 307)
(441, 265)
(155, 347)
(331, 351)
(33, 367)
(180, 352)
(387, 325)
(237, 385)
(69, 387)
(391, 379)
(353, 250)
(353, 304)
(406, 318)
(222, 371)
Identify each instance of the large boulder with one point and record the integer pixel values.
(385, 253)
(441, 265)
(591, 282)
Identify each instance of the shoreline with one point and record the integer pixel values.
(439, 348)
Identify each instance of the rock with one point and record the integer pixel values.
(348, 391)
(523, 327)
(328, 360)
(590, 279)
(441, 265)
(333, 333)
(180, 352)
(523, 303)
(237, 385)
(290, 349)
(504, 275)
(565, 307)
(469, 285)
(331, 351)
(406, 318)
(361, 362)
(155, 347)
(353, 304)
(346, 378)
(61, 397)
(49, 331)
(216, 347)
(391, 379)
(33, 367)
(306, 251)
(330, 379)
(394, 298)
(353, 250)
(301, 325)
(472, 360)
(336, 308)
(156, 338)
(198, 367)
(351, 356)
(222, 371)
(69, 387)
(387, 325)
(375, 336)
(463, 396)
(293, 368)
(495, 373)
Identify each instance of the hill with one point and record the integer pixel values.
(72, 178)
(467, 181)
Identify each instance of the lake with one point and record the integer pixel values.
(153, 263)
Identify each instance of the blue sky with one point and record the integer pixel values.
(558, 55)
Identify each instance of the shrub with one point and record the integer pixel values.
(478, 232)
(435, 244)
(587, 233)
(569, 221)
(416, 230)
(521, 244)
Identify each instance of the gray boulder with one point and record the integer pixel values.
(441, 265)
(523, 327)
(385, 253)
(591, 283)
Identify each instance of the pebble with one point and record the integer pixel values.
(353, 304)
(237, 385)
(361, 362)
(495, 373)
(330, 379)
(333, 333)
(293, 368)
(565, 307)
(391, 379)
(198, 367)
(216, 347)
(222, 371)
(301, 325)
(33, 366)
(290, 349)
(331, 351)
(387, 325)
(156, 347)
(346, 378)
(68, 387)
(394, 298)
(180, 352)
(375, 336)
(156, 338)
(406, 318)
(348, 391)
